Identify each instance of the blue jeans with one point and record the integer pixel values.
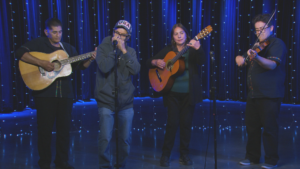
(106, 124)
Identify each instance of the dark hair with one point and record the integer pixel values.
(263, 18)
(52, 22)
(184, 29)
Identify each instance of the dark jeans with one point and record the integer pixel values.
(262, 112)
(49, 110)
(180, 113)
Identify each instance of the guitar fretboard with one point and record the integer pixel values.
(76, 58)
(180, 53)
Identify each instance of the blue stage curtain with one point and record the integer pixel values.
(226, 53)
(131, 15)
(294, 88)
(6, 96)
(86, 22)
(85, 42)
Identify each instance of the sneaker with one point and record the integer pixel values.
(246, 162)
(164, 161)
(268, 166)
(185, 160)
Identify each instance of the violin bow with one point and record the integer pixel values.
(246, 59)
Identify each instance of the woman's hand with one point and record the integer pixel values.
(194, 44)
(159, 63)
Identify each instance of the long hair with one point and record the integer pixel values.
(172, 32)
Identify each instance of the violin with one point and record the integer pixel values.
(261, 45)
(258, 47)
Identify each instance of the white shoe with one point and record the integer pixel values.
(268, 166)
(246, 162)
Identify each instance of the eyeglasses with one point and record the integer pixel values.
(121, 35)
(257, 32)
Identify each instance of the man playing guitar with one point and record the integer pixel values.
(55, 102)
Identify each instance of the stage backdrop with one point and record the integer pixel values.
(87, 22)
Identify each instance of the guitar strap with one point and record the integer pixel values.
(63, 48)
(58, 82)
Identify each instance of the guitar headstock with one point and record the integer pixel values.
(204, 32)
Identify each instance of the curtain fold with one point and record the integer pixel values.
(87, 22)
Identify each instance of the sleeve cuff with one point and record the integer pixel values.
(20, 52)
(276, 59)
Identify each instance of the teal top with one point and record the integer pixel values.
(181, 83)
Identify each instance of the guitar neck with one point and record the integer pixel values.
(180, 53)
(76, 58)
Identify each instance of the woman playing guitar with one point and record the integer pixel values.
(184, 93)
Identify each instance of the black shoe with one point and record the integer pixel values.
(64, 166)
(45, 167)
(185, 160)
(164, 161)
(120, 166)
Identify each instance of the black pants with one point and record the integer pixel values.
(49, 110)
(180, 113)
(262, 112)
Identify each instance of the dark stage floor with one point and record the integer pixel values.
(19, 145)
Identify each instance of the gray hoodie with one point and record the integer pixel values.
(105, 78)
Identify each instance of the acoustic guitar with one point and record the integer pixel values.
(162, 80)
(36, 78)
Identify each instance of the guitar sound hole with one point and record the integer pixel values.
(57, 65)
(169, 66)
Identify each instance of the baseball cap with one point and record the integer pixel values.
(124, 24)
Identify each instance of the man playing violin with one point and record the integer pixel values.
(265, 80)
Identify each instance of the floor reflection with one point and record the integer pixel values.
(19, 146)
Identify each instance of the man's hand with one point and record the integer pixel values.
(121, 44)
(48, 66)
(28, 58)
(93, 55)
(252, 54)
(159, 63)
(88, 62)
(263, 62)
(240, 60)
